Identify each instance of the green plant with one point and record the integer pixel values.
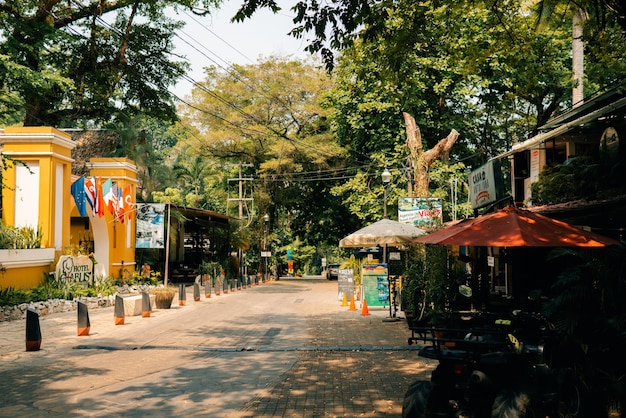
(19, 237)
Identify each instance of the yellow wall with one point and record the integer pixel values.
(49, 150)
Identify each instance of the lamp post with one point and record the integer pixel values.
(266, 220)
(386, 176)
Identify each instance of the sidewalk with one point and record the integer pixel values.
(281, 349)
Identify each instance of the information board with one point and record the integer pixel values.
(375, 278)
(345, 283)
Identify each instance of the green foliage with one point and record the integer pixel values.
(577, 178)
(50, 288)
(19, 237)
(64, 64)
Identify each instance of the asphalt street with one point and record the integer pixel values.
(284, 348)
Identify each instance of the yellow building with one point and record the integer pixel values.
(37, 194)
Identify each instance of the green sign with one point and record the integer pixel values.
(375, 278)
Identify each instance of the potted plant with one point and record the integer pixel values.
(163, 296)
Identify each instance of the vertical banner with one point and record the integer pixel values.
(375, 279)
(345, 284)
(150, 225)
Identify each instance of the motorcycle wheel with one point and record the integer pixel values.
(520, 403)
(424, 400)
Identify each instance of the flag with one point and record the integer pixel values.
(106, 194)
(128, 201)
(120, 204)
(99, 197)
(110, 197)
(78, 192)
(90, 193)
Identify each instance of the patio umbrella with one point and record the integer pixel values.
(384, 233)
(514, 227)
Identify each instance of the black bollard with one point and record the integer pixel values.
(33, 331)
(196, 292)
(83, 320)
(119, 310)
(182, 295)
(146, 309)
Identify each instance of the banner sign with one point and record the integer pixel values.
(420, 211)
(486, 184)
(150, 225)
(345, 283)
(375, 278)
(74, 269)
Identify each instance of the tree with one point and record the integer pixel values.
(268, 116)
(334, 26)
(68, 63)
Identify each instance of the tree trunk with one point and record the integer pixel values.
(420, 160)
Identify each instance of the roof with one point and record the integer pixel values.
(592, 110)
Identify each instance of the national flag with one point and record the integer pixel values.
(120, 204)
(110, 197)
(128, 200)
(99, 197)
(106, 194)
(90, 193)
(78, 192)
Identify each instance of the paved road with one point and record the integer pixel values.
(281, 349)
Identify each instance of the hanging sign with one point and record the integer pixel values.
(486, 184)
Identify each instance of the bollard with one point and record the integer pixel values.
(207, 289)
(182, 295)
(119, 310)
(33, 331)
(225, 289)
(83, 320)
(196, 292)
(146, 309)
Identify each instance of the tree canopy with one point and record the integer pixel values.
(71, 63)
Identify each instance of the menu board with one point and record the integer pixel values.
(375, 278)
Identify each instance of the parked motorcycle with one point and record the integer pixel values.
(495, 366)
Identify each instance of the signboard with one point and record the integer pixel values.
(420, 211)
(150, 225)
(345, 283)
(375, 278)
(74, 269)
(266, 254)
(486, 184)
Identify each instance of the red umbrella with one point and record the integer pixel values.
(513, 227)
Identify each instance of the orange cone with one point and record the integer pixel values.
(352, 307)
(365, 311)
(344, 302)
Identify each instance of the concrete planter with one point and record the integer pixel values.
(32, 257)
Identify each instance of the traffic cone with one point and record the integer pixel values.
(146, 309)
(33, 331)
(182, 295)
(344, 302)
(365, 311)
(352, 307)
(83, 320)
(207, 289)
(196, 292)
(118, 313)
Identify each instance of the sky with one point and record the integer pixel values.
(214, 40)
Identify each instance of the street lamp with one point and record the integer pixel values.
(386, 176)
(266, 220)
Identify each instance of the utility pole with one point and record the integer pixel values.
(240, 199)
(240, 189)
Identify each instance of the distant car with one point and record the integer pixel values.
(332, 271)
